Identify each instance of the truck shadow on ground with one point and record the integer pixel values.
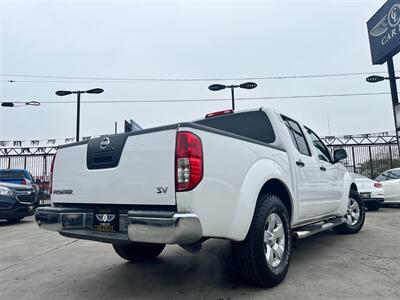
(181, 273)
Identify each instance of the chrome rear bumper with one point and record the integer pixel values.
(180, 228)
(135, 226)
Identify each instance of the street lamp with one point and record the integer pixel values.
(246, 85)
(376, 78)
(19, 104)
(395, 102)
(78, 107)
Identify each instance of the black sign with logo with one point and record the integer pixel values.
(106, 220)
(384, 32)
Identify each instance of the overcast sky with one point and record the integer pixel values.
(186, 39)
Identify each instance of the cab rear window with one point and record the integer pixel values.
(253, 125)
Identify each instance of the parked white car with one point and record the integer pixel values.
(256, 178)
(371, 191)
(390, 181)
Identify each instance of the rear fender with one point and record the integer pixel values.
(347, 184)
(260, 173)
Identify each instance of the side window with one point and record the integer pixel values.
(297, 136)
(395, 174)
(383, 177)
(322, 151)
(28, 175)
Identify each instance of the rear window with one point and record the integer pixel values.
(12, 174)
(253, 125)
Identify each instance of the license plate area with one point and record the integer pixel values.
(106, 220)
(365, 195)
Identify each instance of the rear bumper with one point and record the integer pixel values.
(373, 200)
(135, 226)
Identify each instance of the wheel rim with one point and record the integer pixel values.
(274, 240)
(353, 212)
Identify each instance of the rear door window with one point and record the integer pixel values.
(323, 152)
(253, 125)
(297, 136)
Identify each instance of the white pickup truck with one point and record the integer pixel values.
(256, 178)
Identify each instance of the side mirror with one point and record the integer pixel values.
(38, 181)
(339, 154)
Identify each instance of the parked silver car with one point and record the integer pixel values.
(390, 181)
(371, 191)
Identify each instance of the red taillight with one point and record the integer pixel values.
(188, 161)
(219, 113)
(377, 185)
(51, 174)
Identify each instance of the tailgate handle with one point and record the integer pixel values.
(102, 159)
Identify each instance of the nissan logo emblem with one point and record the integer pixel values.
(104, 143)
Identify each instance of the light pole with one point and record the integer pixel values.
(78, 103)
(246, 85)
(19, 104)
(376, 78)
(395, 99)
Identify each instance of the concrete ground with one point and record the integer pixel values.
(37, 264)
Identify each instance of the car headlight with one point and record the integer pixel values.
(6, 192)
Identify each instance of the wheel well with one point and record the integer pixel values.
(277, 188)
(353, 187)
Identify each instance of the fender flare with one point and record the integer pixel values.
(348, 182)
(257, 176)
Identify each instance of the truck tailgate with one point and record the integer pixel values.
(132, 169)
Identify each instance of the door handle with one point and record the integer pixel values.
(300, 163)
(322, 168)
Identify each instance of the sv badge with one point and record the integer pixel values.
(161, 190)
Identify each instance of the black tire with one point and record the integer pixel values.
(372, 206)
(249, 255)
(14, 220)
(139, 252)
(347, 228)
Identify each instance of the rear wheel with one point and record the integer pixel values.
(263, 257)
(355, 215)
(137, 252)
(373, 206)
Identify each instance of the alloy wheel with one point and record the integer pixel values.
(274, 240)
(353, 212)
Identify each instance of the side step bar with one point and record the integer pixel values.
(306, 231)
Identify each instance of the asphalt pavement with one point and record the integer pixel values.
(38, 264)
